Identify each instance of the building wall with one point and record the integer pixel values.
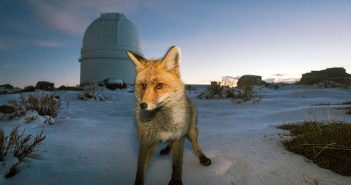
(103, 52)
(96, 70)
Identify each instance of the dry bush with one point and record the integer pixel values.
(19, 107)
(328, 145)
(245, 93)
(23, 147)
(44, 104)
(215, 89)
(20, 145)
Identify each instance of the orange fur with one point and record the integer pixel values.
(163, 113)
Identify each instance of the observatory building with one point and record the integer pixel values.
(103, 52)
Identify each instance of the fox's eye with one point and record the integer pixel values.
(143, 86)
(159, 86)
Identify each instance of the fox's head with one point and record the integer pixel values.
(157, 82)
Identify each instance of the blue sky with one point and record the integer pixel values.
(41, 39)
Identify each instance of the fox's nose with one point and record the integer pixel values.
(143, 105)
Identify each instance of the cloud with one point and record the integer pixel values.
(48, 43)
(281, 80)
(73, 16)
(279, 74)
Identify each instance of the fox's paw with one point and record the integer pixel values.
(166, 150)
(175, 182)
(204, 160)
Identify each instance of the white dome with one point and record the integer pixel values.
(104, 44)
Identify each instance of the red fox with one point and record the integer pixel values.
(163, 113)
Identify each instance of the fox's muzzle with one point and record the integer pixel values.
(143, 106)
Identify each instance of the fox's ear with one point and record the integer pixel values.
(137, 59)
(172, 58)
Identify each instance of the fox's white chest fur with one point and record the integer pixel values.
(175, 126)
(166, 135)
(170, 122)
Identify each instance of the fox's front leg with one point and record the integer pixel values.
(144, 156)
(177, 148)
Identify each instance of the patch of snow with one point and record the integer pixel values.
(114, 81)
(94, 142)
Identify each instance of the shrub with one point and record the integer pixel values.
(20, 145)
(215, 89)
(45, 105)
(19, 108)
(328, 145)
(245, 93)
(189, 87)
(273, 85)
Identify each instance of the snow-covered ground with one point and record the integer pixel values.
(94, 142)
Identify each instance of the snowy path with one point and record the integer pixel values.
(93, 143)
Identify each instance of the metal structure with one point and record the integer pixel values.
(103, 52)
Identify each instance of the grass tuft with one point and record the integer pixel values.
(326, 144)
(20, 145)
(44, 104)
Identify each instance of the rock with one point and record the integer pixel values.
(46, 86)
(8, 89)
(335, 82)
(49, 120)
(337, 74)
(29, 88)
(30, 116)
(6, 86)
(249, 80)
(69, 88)
(6, 109)
(113, 84)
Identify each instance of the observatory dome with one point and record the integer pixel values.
(103, 52)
